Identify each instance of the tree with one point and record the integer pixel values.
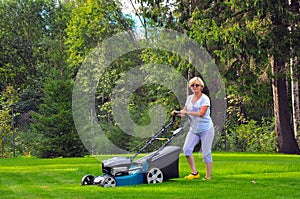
(295, 97)
(294, 66)
(54, 127)
(246, 38)
(278, 58)
(33, 55)
(92, 22)
(254, 31)
(24, 54)
(23, 27)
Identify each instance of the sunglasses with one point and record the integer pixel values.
(197, 85)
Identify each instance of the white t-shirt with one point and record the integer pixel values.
(200, 123)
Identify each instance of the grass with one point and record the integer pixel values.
(235, 175)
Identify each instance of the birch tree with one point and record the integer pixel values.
(294, 66)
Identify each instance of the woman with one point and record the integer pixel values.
(197, 106)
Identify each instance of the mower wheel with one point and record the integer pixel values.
(87, 180)
(155, 175)
(108, 182)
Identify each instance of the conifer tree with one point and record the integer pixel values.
(54, 126)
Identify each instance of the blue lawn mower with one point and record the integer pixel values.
(156, 167)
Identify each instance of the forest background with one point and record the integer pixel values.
(254, 43)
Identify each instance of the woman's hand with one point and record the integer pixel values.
(183, 112)
(175, 113)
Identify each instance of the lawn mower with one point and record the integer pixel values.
(156, 167)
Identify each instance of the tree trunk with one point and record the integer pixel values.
(295, 98)
(283, 128)
(294, 69)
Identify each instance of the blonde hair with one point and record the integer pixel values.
(194, 79)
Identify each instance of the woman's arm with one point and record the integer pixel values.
(199, 113)
(179, 113)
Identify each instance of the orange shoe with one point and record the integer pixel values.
(192, 176)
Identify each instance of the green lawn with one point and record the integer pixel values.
(235, 175)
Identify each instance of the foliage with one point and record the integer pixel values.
(23, 28)
(240, 53)
(257, 137)
(252, 137)
(43, 44)
(236, 41)
(8, 98)
(5, 126)
(253, 41)
(244, 134)
(54, 126)
(155, 13)
(91, 22)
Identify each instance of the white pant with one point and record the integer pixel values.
(193, 138)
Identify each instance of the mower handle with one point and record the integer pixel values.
(174, 114)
